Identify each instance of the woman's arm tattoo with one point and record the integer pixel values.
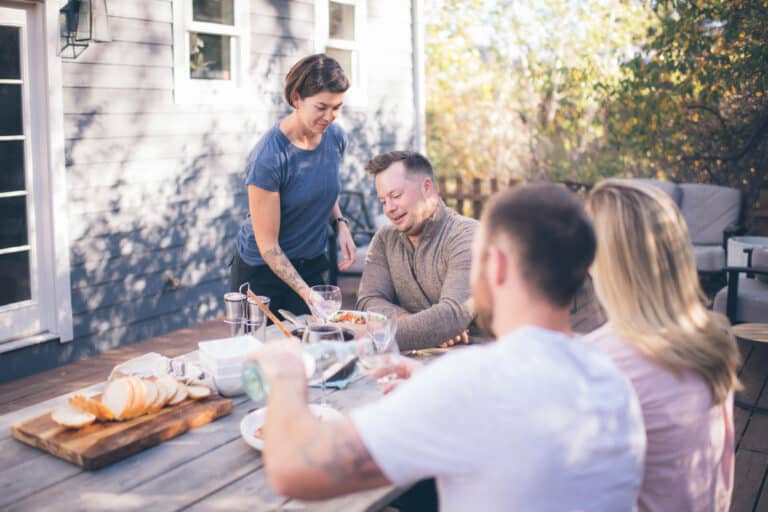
(284, 269)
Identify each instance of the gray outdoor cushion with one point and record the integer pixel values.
(760, 260)
(671, 189)
(752, 302)
(708, 210)
(709, 258)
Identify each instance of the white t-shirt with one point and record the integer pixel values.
(536, 421)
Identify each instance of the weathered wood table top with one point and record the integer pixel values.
(207, 468)
(752, 331)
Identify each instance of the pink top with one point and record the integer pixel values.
(690, 450)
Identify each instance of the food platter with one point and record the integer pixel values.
(250, 425)
(353, 317)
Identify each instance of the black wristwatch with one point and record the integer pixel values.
(335, 222)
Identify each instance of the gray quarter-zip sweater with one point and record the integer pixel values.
(431, 281)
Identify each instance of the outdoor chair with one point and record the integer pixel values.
(745, 298)
(362, 224)
(712, 214)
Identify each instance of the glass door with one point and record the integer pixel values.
(20, 310)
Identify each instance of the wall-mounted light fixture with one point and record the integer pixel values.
(80, 23)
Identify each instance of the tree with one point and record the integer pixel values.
(692, 106)
(515, 88)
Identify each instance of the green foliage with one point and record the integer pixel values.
(692, 106)
(583, 89)
(515, 88)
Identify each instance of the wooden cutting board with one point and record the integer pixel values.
(100, 444)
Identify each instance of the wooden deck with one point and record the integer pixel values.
(750, 492)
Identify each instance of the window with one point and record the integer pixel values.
(340, 28)
(35, 302)
(210, 50)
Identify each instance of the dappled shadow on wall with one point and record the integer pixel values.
(156, 193)
(152, 228)
(378, 130)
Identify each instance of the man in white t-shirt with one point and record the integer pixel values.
(540, 420)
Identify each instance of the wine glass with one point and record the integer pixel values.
(381, 328)
(326, 301)
(317, 333)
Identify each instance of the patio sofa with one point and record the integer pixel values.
(712, 213)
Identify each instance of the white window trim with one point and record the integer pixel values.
(57, 171)
(52, 175)
(357, 95)
(216, 92)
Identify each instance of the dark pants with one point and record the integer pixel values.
(264, 282)
(422, 497)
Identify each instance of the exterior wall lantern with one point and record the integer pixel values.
(80, 23)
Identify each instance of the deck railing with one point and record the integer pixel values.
(468, 195)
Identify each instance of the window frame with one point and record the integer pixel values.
(357, 95)
(188, 90)
(49, 199)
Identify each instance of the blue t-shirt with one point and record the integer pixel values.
(308, 183)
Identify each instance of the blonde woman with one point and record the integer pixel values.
(681, 357)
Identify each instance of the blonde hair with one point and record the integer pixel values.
(645, 277)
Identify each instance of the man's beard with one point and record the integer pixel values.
(481, 292)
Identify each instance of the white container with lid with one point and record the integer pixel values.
(225, 356)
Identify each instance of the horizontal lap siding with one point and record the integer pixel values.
(155, 188)
(387, 121)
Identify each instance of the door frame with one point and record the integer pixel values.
(50, 201)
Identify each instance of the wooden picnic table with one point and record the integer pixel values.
(207, 468)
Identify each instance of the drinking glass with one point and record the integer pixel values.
(315, 333)
(326, 301)
(381, 327)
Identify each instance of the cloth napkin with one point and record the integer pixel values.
(332, 384)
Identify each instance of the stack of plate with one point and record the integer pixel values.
(223, 360)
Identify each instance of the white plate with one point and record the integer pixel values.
(253, 421)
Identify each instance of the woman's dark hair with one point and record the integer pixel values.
(314, 74)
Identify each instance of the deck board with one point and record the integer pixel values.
(749, 475)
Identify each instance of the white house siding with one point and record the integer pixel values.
(156, 188)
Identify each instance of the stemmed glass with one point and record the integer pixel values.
(316, 333)
(326, 301)
(381, 328)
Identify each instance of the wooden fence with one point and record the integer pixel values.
(468, 195)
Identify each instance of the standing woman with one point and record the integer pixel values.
(293, 184)
(682, 358)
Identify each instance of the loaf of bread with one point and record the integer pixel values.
(70, 417)
(125, 398)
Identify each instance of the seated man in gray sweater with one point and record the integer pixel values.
(420, 263)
